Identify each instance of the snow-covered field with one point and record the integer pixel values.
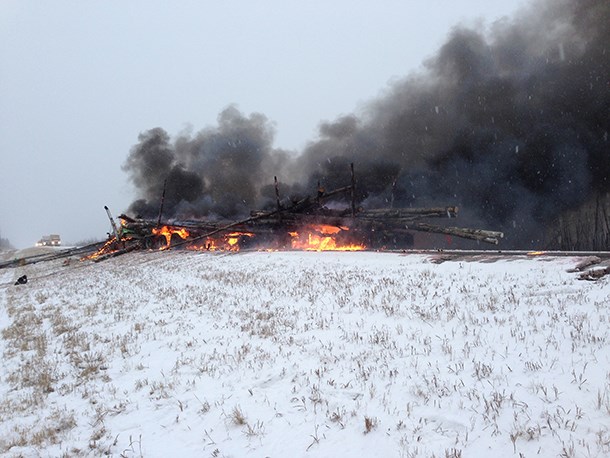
(289, 354)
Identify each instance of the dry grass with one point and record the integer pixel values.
(420, 359)
(237, 416)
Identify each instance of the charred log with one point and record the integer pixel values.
(473, 234)
(434, 212)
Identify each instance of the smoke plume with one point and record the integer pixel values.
(510, 124)
(216, 172)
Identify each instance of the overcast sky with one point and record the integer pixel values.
(80, 80)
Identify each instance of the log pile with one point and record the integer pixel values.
(376, 228)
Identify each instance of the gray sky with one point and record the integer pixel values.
(80, 80)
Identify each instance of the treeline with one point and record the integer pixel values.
(5, 244)
(586, 228)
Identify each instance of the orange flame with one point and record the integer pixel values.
(536, 253)
(228, 242)
(321, 238)
(168, 231)
(108, 247)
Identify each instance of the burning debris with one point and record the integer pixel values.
(313, 223)
(510, 123)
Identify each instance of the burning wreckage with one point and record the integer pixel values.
(305, 224)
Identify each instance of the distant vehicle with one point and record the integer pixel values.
(49, 240)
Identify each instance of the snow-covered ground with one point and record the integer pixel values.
(304, 354)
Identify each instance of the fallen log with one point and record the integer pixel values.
(594, 274)
(301, 220)
(466, 233)
(402, 213)
(43, 257)
(321, 211)
(312, 202)
(116, 253)
(433, 212)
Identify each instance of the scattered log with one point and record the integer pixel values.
(466, 233)
(310, 202)
(51, 256)
(594, 274)
(434, 212)
(116, 253)
(409, 214)
(582, 265)
(301, 220)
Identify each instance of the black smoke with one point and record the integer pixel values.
(510, 124)
(218, 171)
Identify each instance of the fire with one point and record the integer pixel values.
(310, 238)
(228, 242)
(322, 238)
(108, 247)
(168, 231)
(232, 239)
(536, 253)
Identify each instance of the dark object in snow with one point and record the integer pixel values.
(594, 274)
(22, 280)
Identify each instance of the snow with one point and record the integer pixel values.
(305, 354)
